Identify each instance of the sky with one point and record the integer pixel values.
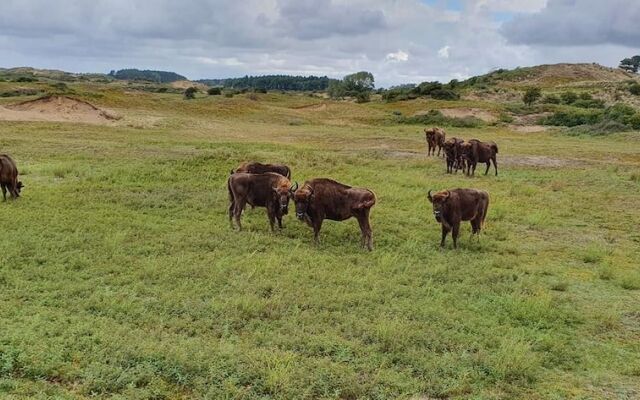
(399, 41)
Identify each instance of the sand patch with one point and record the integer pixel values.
(483, 115)
(58, 109)
(187, 84)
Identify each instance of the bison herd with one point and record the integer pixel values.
(270, 186)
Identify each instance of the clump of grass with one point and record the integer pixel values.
(593, 255)
(630, 281)
(560, 286)
(605, 273)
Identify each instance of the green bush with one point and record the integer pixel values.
(190, 93)
(573, 118)
(634, 89)
(531, 95)
(569, 97)
(551, 99)
(435, 117)
(444, 94)
(214, 91)
(619, 112)
(589, 103)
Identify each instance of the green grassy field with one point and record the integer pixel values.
(120, 276)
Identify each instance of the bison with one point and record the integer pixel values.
(270, 190)
(320, 199)
(258, 168)
(9, 177)
(452, 206)
(435, 138)
(475, 151)
(453, 154)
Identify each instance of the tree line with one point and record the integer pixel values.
(133, 74)
(272, 82)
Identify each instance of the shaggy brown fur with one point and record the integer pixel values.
(435, 138)
(452, 206)
(9, 177)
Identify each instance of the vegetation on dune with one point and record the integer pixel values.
(121, 278)
(272, 82)
(147, 75)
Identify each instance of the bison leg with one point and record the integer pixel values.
(280, 222)
(237, 212)
(4, 191)
(272, 219)
(445, 232)
(365, 229)
(454, 234)
(317, 224)
(495, 165)
(488, 165)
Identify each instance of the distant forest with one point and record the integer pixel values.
(272, 82)
(147, 75)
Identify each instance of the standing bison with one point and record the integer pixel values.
(269, 190)
(453, 154)
(475, 151)
(258, 168)
(435, 138)
(9, 177)
(320, 199)
(452, 206)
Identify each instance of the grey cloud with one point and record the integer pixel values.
(577, 23)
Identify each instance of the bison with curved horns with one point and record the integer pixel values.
(253, 167)
(270, 190)
(320, 199)
(453, 154)
(435, 138)
(9, 177)
(452, 206)
(475, 151)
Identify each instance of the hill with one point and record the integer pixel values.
(147, 75)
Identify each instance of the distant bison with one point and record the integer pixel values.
(269, 190)
(453, 154)
(452, 206)
(321, 199)
(258, 168)
(435, 138)
(475, 151)
(9, 177)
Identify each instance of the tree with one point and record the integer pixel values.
(190, 93)
(531, 95)
(358, 85)
(630, 64)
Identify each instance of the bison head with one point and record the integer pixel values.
(19, 187)
(438, 201)
(302, 198)
(282, 193)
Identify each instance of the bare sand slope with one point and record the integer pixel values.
(56, 108)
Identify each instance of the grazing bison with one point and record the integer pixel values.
(269, 190)
(452, 206)
(453, 154)
(435, 138)
(321, 199)
(258, 168)
(475, 151)
(9, 177)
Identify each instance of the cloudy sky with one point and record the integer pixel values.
(399, 41)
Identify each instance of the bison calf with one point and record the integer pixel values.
(452, 206)
(321, 199)
(269, 190)
(258, 168)
(435, 138)
(9, 177)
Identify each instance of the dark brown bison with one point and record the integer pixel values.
(269, 190)
(9, 177)
(320, 199)
(258, 168)
(452, 206)
(475, 151)
(453, 154)
(435, 138)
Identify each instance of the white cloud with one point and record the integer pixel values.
(444, 52)
(398, 56)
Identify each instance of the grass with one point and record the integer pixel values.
(121, 278)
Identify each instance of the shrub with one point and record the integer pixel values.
(619, 112)
(569, 97)
(435, 117)
(591, 103)
(214, 91)
(551, 99)
(585, 96)
(26, 79)
(228, 95)
(190, 93)
(531, 95)
(444, 94)
(573, 118)
(260, 90)
(362, 97)
(634, 89)
(600, 129)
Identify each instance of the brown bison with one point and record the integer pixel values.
(475, 151)
(269, 190)
(258, 168)
(320, 199)
(453, 154)
(9, 177)
(435, 138)
(452, 206)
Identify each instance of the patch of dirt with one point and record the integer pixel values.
(537, 161)
(187, 84)
(56, 108)
(484, 115)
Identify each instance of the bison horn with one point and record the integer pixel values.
(294, 187)
(429, 195)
